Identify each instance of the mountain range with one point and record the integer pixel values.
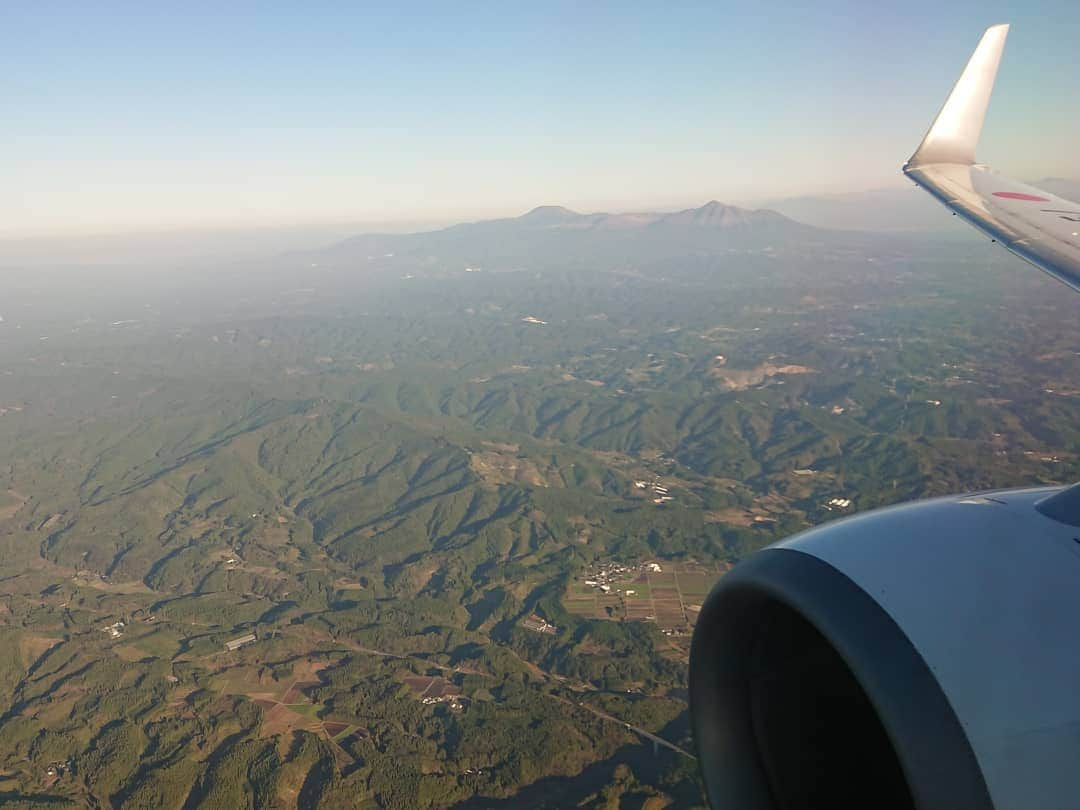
(899, 210)
(551, 231)
(711, 215)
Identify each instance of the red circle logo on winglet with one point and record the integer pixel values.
(1016, 195)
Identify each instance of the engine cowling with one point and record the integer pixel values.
(921, 656)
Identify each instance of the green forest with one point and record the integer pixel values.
(397, 473)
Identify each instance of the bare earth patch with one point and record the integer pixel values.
(741, 379)
(504, 468)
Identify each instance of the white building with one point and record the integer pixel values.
(237, 643)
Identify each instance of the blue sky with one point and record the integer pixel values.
(126, 116)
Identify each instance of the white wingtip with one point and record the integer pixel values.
(955, 132)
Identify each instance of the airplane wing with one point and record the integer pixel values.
(1035, 225)
(918, 656)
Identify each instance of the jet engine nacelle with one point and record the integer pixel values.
(921, 656)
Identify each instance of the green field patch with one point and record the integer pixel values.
(579, 590)
(696, 584)
(578, 605)
(247, 681)
(341, 735)
(160, 643)
(306, 709)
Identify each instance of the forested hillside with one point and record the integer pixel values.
(398, 463)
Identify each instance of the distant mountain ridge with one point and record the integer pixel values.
(555, 233)
(711, 215)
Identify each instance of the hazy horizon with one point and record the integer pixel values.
(136, 120)
(899, 209)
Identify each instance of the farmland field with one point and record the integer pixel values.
(671, 597)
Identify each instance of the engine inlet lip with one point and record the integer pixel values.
(933, 750)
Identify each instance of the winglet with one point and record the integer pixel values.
(955, 131)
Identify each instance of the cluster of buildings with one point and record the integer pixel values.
(538, 625)
(659, 491)
(1048, 459)
(672, 632)
(453, 700)
(837, 503)
(608, 574)
(115, 630)
(239, 642)
(443, 692)
(54, 771)
(455, 703)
